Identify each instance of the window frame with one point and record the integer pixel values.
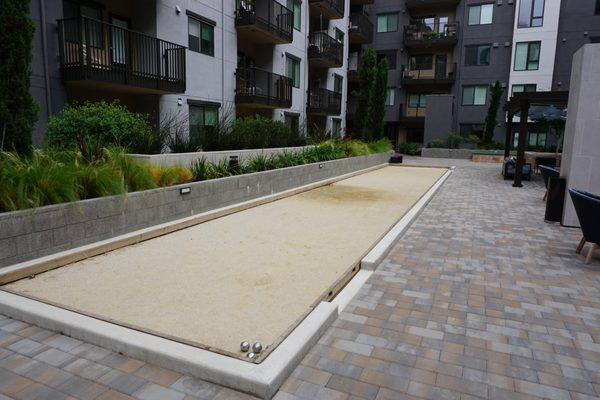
(527, 56)
(474, 87)
(338, 134)
(295, 69)
(338, 78)
(292, 121)
(417, 66)
(480, 6)
(390, 95)
(531, 17)
(387, 15)
(201, 106)
(421, 102)
(524, 85)
(489, 58)
(201, 22)
(294, 4)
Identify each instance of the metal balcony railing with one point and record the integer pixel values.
(268, 16)
(262, 88)
(325, 50)
(332, 9)
(440, 73)
(323, 101)
(95, 50)
(440, 32)
(361, 28)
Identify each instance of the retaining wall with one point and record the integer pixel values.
(185, 159)
(464, 154)
(28, 234)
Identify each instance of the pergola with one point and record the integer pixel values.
(520, 103)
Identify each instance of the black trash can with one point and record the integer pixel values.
(396, 158)
(555, 200)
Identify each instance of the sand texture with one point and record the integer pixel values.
(246, 276)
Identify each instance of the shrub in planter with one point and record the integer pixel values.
(92, 126)
(436, 144)
(454, 141)
(255, 133)
(409, 148)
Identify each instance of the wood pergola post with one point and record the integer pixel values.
(521, 147)
(508, 140)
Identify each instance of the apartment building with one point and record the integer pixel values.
(195, 60)
(445, 54)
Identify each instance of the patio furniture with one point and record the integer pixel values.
(548, 173)
(544, 161)
(509, 167)
(587, 207)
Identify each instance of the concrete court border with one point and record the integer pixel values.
(262, 379)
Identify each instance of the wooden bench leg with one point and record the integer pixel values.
(580, 245)
(589, 256)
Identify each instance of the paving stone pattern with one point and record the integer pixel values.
(479, 300)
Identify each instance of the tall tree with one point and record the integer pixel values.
(377, 100)
(492, 114)
(18, 111)
(366, 71)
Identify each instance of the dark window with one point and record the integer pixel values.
(390, 55)
(414, 135)
(417, 100)
(477, 55)
(481, 14)
(293, 70)
(296, 8)
(531, 13)
(336, 128)
(202, 119)
(201, 37)
(339, 35)
(527, 56)
(474, 95)
(595, 39)
(421, 62)
(528, 87)
(387, 22)
(597, 6)
(293, 122)
(338, 82)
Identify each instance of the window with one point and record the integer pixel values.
(421, 62)
(598, 7)
(202, 118)
(336, 128)
(338, 82)
(296, 8)
(201, 36)
(474, 95)
(531, 13)
(293, 70)
(417, 100)
(390, 55)
(339, 35)
(528, 87)
(387, 22)
(527, 56)
(293, 122)
(477, 55)
(537, 139)
(481, 14)
(390, 96)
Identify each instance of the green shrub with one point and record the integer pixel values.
(409, 148)
(474, 139)
(380, 146)
(135, 175)
(454, 141)
(437, 144)
(92, 126)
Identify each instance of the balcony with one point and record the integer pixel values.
(361, 29)
(442, 75)
(361, 2)
(324, 102)
(94, 51)
(330, 9)
(324, 51)
(264, 22)
(257, 88)
(431, 35)
(426, 5)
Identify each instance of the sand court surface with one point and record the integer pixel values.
(251, 275)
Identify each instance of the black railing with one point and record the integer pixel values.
(439, 73)
(361, 28)
(323, 101)
(336, 7)
(325, 49)
(438, 31)
(95, 50)
(260, 87)
(267, 15)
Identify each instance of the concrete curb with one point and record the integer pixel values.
(382, 248)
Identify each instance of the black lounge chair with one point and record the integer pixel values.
(545, 161)
(587, 207)
(548, 173)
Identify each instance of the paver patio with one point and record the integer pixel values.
(480, 299)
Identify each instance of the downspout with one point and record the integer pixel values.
(222, 53)
(45, 57)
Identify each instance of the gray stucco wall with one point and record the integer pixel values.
(29, 234)
(438, 125)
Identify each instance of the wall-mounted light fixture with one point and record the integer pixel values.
(177, 10)
(185, 190)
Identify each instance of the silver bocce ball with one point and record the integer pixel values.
(245, 346)
(257, 347)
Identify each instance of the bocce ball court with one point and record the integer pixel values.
(252, 275)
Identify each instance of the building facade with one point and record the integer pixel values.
(195, 61)
(444, 56)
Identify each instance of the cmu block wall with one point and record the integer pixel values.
(29, 234)
(465, 154)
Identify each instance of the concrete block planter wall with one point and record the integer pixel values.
(28, 234)
(185, 159)
(464, 154)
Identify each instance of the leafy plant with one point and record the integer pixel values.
(409, 148)
(436, 144)
(90, 127)
(454, 141)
